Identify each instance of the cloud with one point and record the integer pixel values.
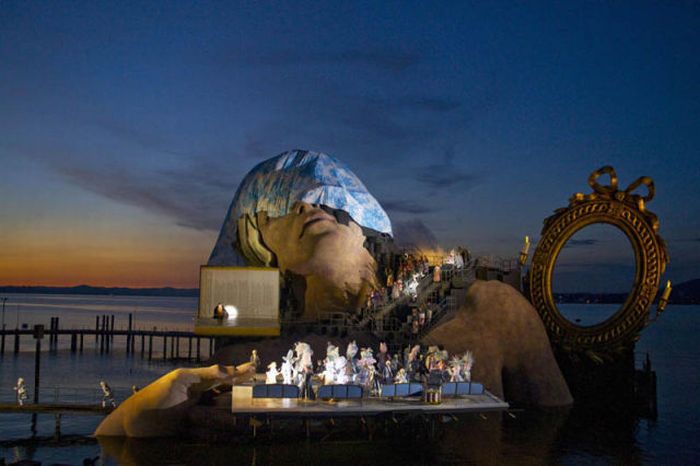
(354, 127)
(195, 196)
(406, 207)
(414, 102)
(139, 168)
(407, 120)
(446, 175)
(362, 113)
(414, 234)
(387, 59)
(132, 134)
(411, 121)
(333, 114)
(440, 176)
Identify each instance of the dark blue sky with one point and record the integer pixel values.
(125, 127)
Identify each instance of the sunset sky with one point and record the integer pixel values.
(125, 127)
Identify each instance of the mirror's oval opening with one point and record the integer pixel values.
(593, 274)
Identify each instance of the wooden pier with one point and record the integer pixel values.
(54, 408)
(174, 344)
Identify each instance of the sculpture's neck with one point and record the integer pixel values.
(333, 294)
(322, 296)
(339, 284)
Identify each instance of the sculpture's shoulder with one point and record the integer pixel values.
(494, 300)
(492, 290)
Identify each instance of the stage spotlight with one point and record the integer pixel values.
(231, 310)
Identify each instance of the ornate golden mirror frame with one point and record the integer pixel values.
(626, 211)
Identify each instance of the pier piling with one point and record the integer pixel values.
(55, 336)
(57, 429)
(38, 335)
(128, 334)
(108, 335)
(102, 335)
(51, 327)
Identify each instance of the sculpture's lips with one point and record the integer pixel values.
(315, 217)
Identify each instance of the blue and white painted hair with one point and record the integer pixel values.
(274, 185)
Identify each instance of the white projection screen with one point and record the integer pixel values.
(250, 296)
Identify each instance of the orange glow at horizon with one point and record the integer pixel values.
(118, 271)
(143, 258)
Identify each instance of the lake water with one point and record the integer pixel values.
(526, 437)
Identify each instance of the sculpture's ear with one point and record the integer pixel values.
(250, 244)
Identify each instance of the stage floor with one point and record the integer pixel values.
(240, 326)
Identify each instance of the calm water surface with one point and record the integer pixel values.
(531, 437)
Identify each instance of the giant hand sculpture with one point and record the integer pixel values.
(159, 409)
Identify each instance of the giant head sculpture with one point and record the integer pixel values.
(308, 214)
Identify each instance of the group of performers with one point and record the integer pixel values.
(361, 366)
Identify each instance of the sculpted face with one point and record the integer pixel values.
(310, 242)
(308, 239)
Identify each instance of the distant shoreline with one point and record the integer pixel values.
(98, 290)
(683, 293)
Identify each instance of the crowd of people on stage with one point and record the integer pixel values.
(420, 318)
(403, 280)
(361, 366)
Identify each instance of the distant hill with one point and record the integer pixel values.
(686, 292)
(98, 290)
(682, 293)
(590, 298)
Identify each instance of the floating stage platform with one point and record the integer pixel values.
(260, 405)
(286, 407)
(352, 400)
(241, 326)
(262, 408)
